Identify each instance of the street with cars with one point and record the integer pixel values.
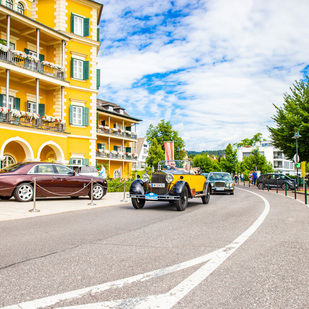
(247, 250)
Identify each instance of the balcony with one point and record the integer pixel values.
(115, 155)
(25, 61)
(31, 120)
(116, 132)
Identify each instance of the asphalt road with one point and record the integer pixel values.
(238, 251)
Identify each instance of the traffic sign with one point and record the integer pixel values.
(296, 158)
(297, 165)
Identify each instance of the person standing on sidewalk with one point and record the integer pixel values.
(254, 177)
(242, 177)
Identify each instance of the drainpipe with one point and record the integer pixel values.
(37, 95)
(62, 102)
(7, 88)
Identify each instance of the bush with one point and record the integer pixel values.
(117, 185)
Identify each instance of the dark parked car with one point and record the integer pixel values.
(272, 180)
(52, 179)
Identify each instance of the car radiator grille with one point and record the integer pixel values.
(219, 184)
(155, 178)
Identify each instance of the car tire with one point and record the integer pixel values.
(182, 203)
(285, 185)
(97, 191)
(260, 186)
(138, 203)
(206, 197)
(24, 192)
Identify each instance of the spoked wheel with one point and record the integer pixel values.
(206, 198)
(260, 186)
(285, 186)
(138, 203)
(24, 192)
(182, 203)
(97, 191)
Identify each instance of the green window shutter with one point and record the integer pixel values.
(85, 70)
(41, 57)
(86, 26)
(128, 149)
(42, 110)
(71, 114)
(85, 116)
(26, 60)
(99, 146)
(72, 67)
(71, 161)
(1, 100)
(72, 22)
(86, 162)
(115, 148)
(103, 123)
(27, 51)
(98, 34)
(16, 103)
(128, 128)
(98, 78)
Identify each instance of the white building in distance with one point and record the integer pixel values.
(274, 155)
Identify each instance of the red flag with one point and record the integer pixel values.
(169, 150)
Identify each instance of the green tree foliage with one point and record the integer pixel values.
(256, 161)
(155, 154)
(293, 116)
(157, 135)
(206, 163)
(250, 141)
(230, 162)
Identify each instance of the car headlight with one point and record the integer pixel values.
(145, 177)
(169, 178)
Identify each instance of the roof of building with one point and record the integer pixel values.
(103, 106)
(140, 143)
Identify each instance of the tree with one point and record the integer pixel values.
(155, 154)
(163, 132)
(230, 162)
(250, 141)
(204, 162)
(256, 161)
(293, 116)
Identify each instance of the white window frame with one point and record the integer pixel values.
(32, 107)
(9, 4)
(77, 161)
(77, 118)
(10, 103)
(78, 25)
(20, 8)
(78, 66)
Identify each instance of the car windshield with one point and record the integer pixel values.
(182, 166)
(11, 168)
(219, 176)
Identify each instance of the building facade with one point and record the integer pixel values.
(49, 81)
(274, 155)
(116, 139)
(142, 153)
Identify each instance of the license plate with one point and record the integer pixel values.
(151, 196)
(158, 185)
(219, 189)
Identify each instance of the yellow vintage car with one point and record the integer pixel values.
(175, 181)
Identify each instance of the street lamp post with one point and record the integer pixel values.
(296, 137)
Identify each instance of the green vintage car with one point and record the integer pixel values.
(221, 182)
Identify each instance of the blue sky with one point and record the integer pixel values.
(213, 68)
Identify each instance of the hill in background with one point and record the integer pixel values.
(218, 153)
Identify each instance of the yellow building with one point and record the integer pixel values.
(49, 80)
(116, 134)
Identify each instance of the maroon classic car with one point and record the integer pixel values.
(52, 179)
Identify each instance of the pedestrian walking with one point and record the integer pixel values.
(236, 178)
(102, 172)
(250, 177)
(242, 177)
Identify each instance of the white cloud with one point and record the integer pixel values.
(213, 68)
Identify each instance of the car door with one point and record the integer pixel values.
(70, 184)
(46, 184)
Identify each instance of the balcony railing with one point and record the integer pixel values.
(32, 122)
(116, 132)
(115, 155)
(32, 63)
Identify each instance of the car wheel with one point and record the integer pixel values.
(138, 203)
(97, 191)
(206, 197)
(182, 203)
(260, 186)
(285, 185)
(23, 192)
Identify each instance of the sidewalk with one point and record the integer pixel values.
(300, 196)
(11, 210)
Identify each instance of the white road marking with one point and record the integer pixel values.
(212, 261)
